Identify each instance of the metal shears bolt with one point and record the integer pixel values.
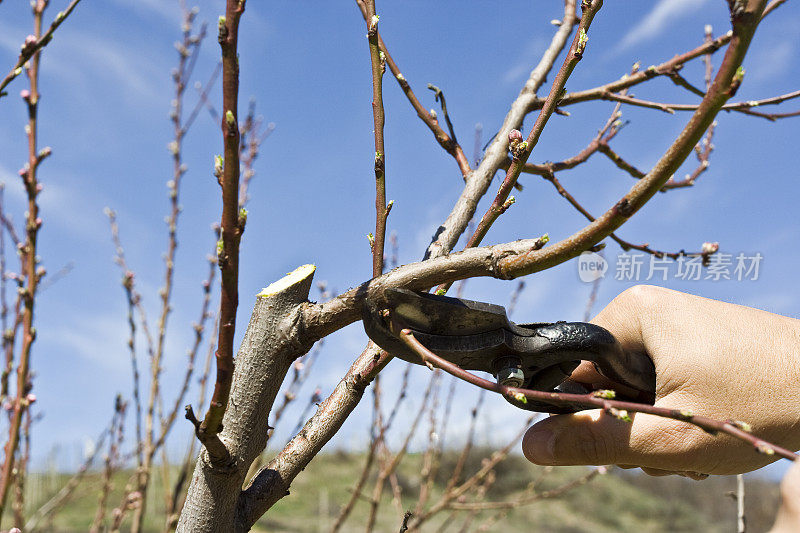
(511, 377)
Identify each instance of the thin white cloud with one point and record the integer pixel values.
(773, 62)
(125, 68)
(168, 10)
(526, 62)
(8, 42)
(98, 338)
(657, 20)
(82, 57)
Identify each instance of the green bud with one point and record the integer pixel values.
(230, 120)
(582, 40)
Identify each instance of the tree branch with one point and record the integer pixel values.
(32, 46)
(522, 150)
(232, 224)
(377, 60)
(448, 143)
(448, 233)
(270, 346)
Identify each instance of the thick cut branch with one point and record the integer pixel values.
(271, 343)
(272, 482)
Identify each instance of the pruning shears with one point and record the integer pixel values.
(478, 336)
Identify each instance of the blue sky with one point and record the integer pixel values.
(106, 94)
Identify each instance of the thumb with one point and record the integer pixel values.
(596, 438)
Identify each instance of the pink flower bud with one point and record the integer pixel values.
(710, 247)
(25, 94)
(514, 136)
(31, 398)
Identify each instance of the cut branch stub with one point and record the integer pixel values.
(271, 344)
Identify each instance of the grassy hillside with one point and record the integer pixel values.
(616, 502)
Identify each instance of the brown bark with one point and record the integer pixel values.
(271, 343)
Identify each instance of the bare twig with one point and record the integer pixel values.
(178, 494)
(473, 482)
(251, 138)
(735, 106)
(392, 464)
(31, 272)
(522, 150)
(406, 517)
(199, 329)
(232, 226)
(448, 143)
(32, 46)
(439, 97)
(376, 440)
(741, 519)
(478, 181)
(116, 431)
(188, 50)
(377, 59)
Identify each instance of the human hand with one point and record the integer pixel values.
(788, 519)
(713, 358)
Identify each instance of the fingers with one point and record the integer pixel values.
(656, 472)
(789, 513)
(622, 316)
(661, 445)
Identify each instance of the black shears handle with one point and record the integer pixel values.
(478, 336)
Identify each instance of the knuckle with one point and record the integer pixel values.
(640, 296)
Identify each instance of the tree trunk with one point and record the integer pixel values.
(269, 347)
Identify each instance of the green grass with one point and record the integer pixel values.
(615, 502)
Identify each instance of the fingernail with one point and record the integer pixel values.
(539, 445)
